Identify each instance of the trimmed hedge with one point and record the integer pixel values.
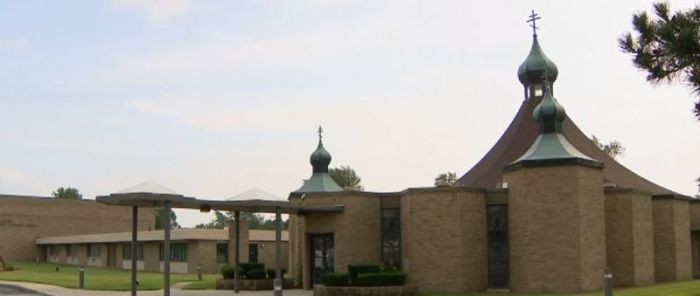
(355, 269)
(381, 279)
(256, 274)
(334, 279)
(271, 273)
(248, 266)
(227, 272)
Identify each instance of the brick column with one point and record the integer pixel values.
(672, 239)
(557, 228)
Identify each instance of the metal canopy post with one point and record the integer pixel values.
(237, 255)
(166, 249)
(278, 252)
(134, 227)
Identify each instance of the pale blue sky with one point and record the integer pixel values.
(212, 98)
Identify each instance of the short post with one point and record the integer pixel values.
(199, 272)
(81, 278)
(608, 276)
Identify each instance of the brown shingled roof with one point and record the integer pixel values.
(520, 135)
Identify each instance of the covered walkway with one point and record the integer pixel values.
(151, 194)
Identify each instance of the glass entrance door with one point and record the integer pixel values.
(322, 256)
(498, 252)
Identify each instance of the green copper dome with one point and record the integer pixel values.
(320, 159)
(320, 180)
(532, 70)
(551, 146)
(549, 113)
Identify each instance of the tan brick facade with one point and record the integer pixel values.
(444, 239)
(357, 229)
(629, 237)
(24, 219)
(557, 228)
(672, 252)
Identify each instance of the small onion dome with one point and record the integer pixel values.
(536, 64)
(320, 159)
(549, 113)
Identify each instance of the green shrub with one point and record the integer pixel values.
(248, 266)
(393, 278)
(355, 269)
(369, 279)
(333, 279)
(227, 272)
(271, 274)
(381, 279)
(256, 274)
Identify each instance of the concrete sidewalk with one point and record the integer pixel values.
(174, 291)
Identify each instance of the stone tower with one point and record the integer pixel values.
(556, 203)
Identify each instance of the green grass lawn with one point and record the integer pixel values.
(95, 278)
(689, 288)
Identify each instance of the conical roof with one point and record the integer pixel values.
(255, 194)
(520, 135)
(148, 187)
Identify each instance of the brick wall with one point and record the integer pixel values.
(24, 219)
(629, 237)
(443, 239)
(672, 239)
(356, 230)
(557, 228)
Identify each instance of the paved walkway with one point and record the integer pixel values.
(174, 291)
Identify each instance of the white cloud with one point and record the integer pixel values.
(157, 11)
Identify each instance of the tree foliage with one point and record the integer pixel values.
(449, 178)
(159, 212)
(346, 177)
(219, 222)
(255, 221)
(67, 193)
(614, 149)
(667, 47)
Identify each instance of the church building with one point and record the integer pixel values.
(545, 210)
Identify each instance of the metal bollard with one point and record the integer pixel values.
(81, 278)
(608, 276)
(199, 272)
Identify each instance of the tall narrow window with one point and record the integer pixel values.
(391, 237)
(72, 250)
(178, 252)
(94, 250)
(127, 251)
(222, 252)
(53, 250)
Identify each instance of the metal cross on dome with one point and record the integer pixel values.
(533, 17)
(320, 132)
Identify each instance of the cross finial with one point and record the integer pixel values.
(532, 19)
(320, 132)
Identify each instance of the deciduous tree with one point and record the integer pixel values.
(67, 193)
(449, 178)
(614, 148)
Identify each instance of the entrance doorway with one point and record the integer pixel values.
(322, 256)
(253, 253)
(498, 252)
(111, 255)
